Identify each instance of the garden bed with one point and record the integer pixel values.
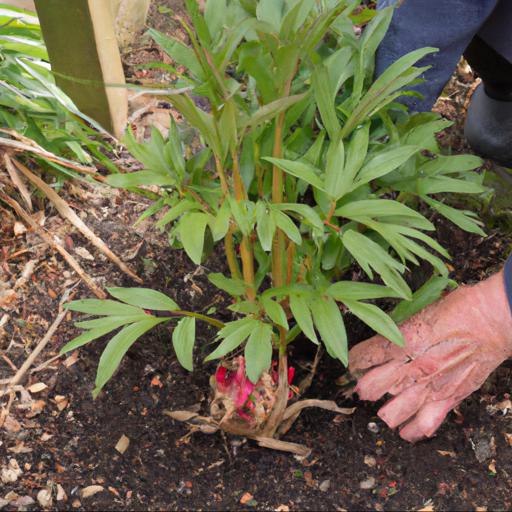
(66, 439)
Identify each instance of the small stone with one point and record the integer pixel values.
(324, 486)
(373, 427)
(368, 484)
(3, 503)
(76, 504)
(44, 498)
(37, 387)
(87, 492)
(61, 493)
(11, 472)
(122, 444)
(370, 461)
(246, 497)
(23, 501)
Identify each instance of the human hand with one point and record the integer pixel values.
(451, 347)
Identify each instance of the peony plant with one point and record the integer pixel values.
(305, 170)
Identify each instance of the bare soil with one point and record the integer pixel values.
(60, 436)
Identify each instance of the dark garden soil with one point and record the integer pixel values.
(59, 436)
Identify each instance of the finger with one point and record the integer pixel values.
(427, 420)
(456, 384)
(376, 383)
(372, 352)
(404, 406)
(434, 365)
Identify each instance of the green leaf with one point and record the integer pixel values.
(98, 328)
(324, 98)
(183, 339)
(301, 170)
(271, 110)
(270, 11)
(435, 185)
(356, 154)
(266, 225)
(103, 321)
(219, 226)
(179, 52)
(258, 351)
(377, 208)
(370, 255)
(117, 348)
(423, 297)
(302, 314)
(274, 311)
(144, 298)
(191, 229)
(286, 224)
(352, 290)
(330, 325)
(234, 287)
(374, 317)
(173, 213)
(450, 164)
(198, 119)
(306, 212)
(135, 179)
(383, 163)
(460, 218)
(334, 180)
(103, 307)
(234, 336)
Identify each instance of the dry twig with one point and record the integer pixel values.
(50, 240)
(68, 213)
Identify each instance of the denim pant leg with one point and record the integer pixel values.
(447, 25)
(497, 30)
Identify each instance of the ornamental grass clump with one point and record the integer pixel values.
(307, 167)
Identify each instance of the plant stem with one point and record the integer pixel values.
(278, 248)
(199, 316)
(229, 249)
(290, 253)
(332, 209)
(222, 175)
(246, 249)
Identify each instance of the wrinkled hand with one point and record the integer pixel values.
(451, 347)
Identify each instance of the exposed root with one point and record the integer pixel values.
(268, 417)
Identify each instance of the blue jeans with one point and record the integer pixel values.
(449, 25)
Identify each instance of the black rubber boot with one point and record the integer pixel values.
(488, 127)
(489, 118)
